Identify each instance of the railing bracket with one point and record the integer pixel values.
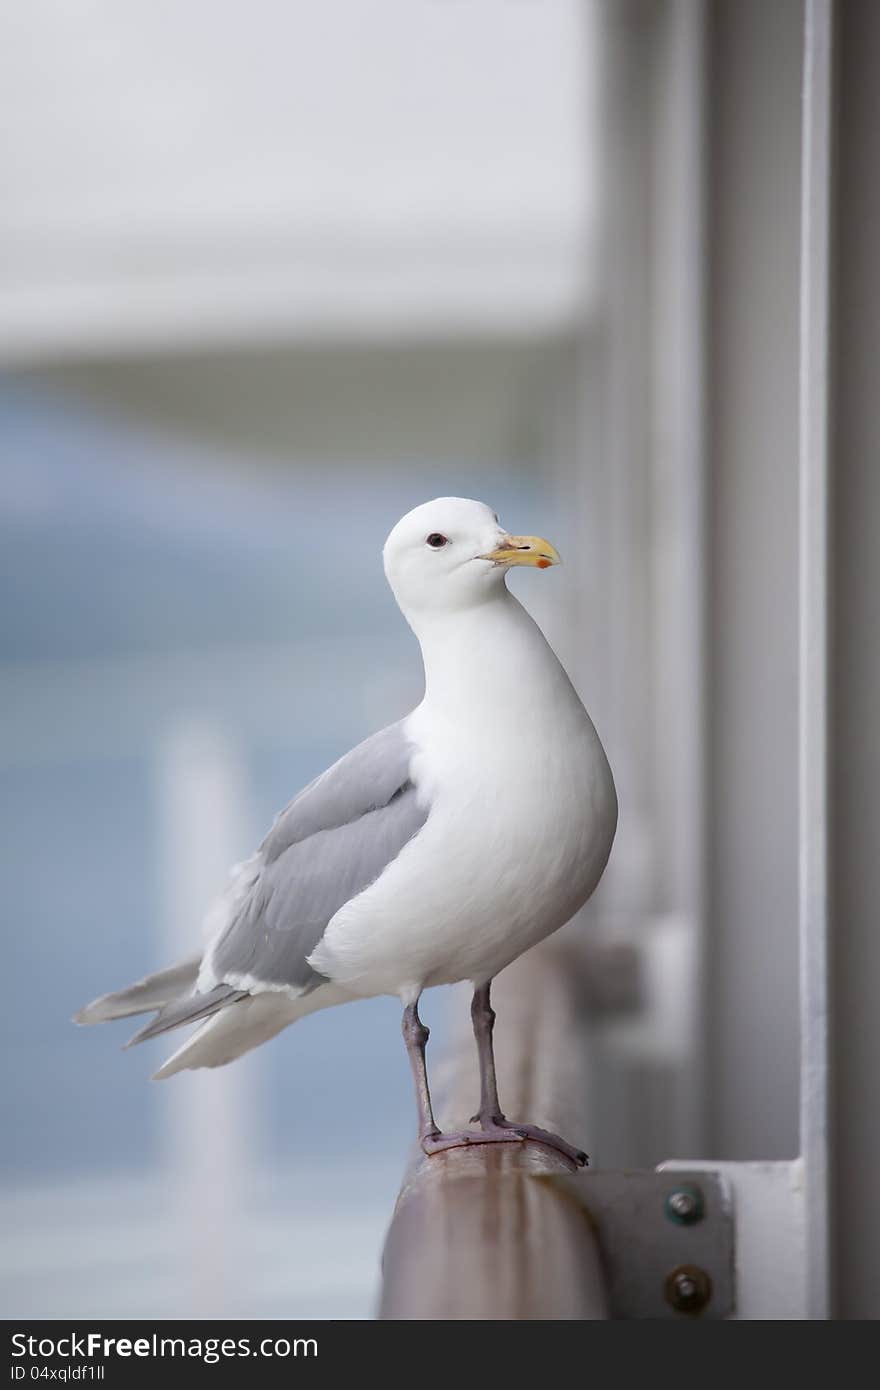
(665, 1240)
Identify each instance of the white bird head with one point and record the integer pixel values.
(453, 553)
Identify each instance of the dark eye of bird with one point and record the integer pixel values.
(436, 541)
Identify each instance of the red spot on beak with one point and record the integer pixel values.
(543, 564)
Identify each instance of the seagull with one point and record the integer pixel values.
(438, 850)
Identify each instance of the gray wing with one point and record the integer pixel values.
(328, 845)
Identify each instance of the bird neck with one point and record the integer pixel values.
(492, 658)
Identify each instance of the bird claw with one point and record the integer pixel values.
(467, 1138)
(502, 1131)
(543, 1136)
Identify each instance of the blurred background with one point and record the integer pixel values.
(270, 275)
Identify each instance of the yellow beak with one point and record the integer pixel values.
(524, 550)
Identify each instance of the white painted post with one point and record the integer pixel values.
(814, 416)
(678, 569)
(202, 793)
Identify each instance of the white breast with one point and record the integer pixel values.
(522, 817)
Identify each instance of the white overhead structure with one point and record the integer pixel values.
(228, 171)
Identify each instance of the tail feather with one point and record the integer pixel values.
(190, 1010)
(230, 1033)
(153, 992)
(224, 1033)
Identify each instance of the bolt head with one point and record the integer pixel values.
(688, 1288)
(685, 1205)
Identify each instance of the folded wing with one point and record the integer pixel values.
(333, 840)
(325, 848)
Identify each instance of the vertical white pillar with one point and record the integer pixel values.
(202, 795)
(814, 377)
(678, 524)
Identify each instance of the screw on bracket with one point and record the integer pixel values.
(685, 1205)
(688, 1288)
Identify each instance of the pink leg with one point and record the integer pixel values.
(494, 1127)
(492, 1119)
(416, 1035)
